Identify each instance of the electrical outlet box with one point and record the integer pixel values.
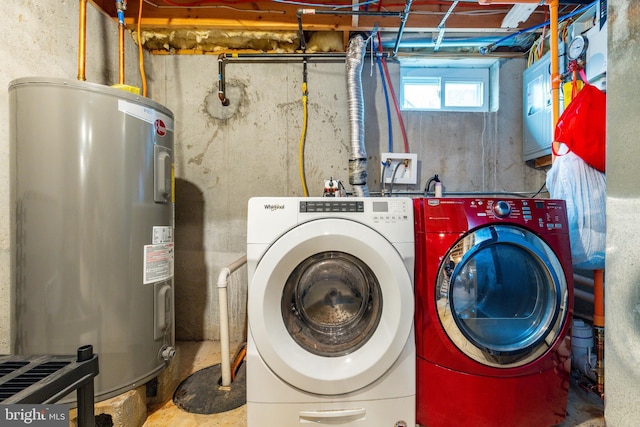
(405, 166)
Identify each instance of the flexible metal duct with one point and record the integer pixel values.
(358, 159)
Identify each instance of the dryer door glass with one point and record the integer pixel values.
(501, 289)
(331, 303)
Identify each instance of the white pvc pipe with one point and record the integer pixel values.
(223, 281)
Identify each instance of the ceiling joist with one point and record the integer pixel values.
(182, 25)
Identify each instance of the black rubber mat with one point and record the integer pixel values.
(200, 393)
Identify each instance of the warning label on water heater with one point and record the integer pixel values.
(158, 262)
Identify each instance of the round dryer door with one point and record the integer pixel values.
(331, 305)
(502, 295)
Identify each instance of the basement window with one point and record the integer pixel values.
(430, 86)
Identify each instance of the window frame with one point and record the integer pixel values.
(416, 73)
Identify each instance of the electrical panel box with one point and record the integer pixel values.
(537, 111)
(401, 168)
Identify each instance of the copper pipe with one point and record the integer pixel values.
(82, 40)
(121, 6)
(143, 76)
(555, 75)
(121, 53)
(598, 323)
(237, 361)
(598, 295)
(599, 360)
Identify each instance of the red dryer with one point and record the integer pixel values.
(494, 299)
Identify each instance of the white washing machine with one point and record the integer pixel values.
(330, 307)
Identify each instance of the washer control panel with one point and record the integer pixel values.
(270, 217)
(461, 214)
(378, 210)
(331, 206)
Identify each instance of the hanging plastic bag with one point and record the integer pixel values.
(582, 126)
(583, 188)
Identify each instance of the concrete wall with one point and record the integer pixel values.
(40, 39)
(225, 155)
(622, 282)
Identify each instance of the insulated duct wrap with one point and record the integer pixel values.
(358, 159)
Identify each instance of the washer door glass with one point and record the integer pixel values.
(331, 303)
(502, 290)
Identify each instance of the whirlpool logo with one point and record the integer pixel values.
(273, 207)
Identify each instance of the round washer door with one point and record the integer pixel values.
(383, 308)
(501, 296)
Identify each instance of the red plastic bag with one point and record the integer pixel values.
(582, 126)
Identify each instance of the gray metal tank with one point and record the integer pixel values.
(92, 175)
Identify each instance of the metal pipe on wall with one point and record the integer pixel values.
(223, 58)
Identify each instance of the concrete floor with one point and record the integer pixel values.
(584, 409)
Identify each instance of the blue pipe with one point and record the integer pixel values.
(386, 100)
(490, 48)
(120, 6)
(384, 88)
(451, 42)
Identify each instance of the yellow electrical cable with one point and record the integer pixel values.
(140, 56)
(305, 192)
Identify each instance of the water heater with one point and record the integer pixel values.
(93, 180)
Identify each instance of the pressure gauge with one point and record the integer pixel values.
(577, 47)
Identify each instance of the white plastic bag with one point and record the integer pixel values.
(584, 190)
